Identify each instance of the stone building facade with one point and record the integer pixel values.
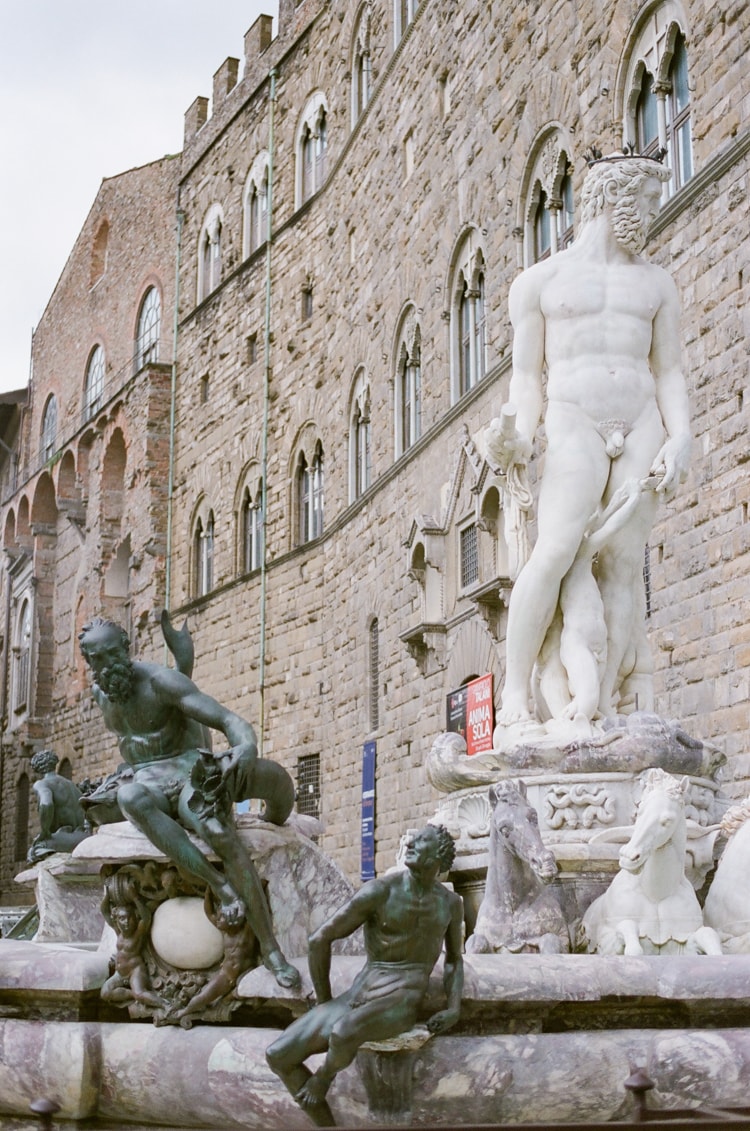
(85, 496)
(333, 382)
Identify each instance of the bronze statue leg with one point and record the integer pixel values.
(146, 810)
(285, 1057)
(242, 874)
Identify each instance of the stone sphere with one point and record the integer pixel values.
(183, 935)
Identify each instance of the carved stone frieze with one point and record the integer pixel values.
(578, 806)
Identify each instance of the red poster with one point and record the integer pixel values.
(480, 715)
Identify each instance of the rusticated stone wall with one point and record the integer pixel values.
(85, 531)
(456, 112)
(382, 234)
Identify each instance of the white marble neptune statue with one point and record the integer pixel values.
(603, 324)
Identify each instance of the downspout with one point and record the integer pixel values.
(5, 690)
(172, 411)
(266, 401)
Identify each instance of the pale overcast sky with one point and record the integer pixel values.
(88, 89)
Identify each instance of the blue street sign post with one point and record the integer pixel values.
(368, 811)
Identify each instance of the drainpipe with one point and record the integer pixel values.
(172, 410)
(4, 719)
(266, 399)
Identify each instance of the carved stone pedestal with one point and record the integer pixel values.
(173, 960)
(68, 896)
(387, 1071)
(585, 793)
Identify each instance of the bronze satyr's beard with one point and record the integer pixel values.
(117, 680)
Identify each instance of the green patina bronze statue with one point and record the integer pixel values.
(407, 916)
(61, 818)
(161, 720)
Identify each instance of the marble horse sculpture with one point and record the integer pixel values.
(650, 907)
(727, 907)
(520, 913)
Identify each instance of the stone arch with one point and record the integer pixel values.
(117, 575)
(113, 477)
(9, 533)
(248, 515)
(472, 650)
(44, 505)
(491, 520)
(23, 528)
(305, 443)
(631, 66)
(83, 460)
(554, 137)
(66, 478)
(250, 476)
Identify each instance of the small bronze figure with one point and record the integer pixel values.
(62, 820)
(407, 916)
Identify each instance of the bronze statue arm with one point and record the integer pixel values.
(341, 924)
(46, 807)
(453, 974)
(182, 693)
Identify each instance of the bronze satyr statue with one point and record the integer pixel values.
(407, 916)
(161, 720)
(61, 818)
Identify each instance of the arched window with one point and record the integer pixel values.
(209, 253)
(468, 318)
(23, 797)
(359, 438)
(22, 658)
(546, 205)
(252, 529)
(93, 393)
(312, 148)
(374, 672)
(203, 556)
(654, 86)
(149, 329)
(360, 64)
(310, 495)
(256, 198)
(553, 220)
(408, 383)
(49, 428)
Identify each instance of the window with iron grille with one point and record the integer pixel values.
(308, 785)
(469, 556)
